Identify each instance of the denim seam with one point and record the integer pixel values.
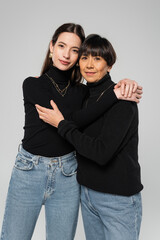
(68, 174)
(50, 181)
(89, 203)
(135, 220)
(5, 213)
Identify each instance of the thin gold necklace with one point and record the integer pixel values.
(61, 92)
(100, 94)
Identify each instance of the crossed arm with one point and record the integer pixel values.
(125, 90)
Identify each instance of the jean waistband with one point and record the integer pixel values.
(55, 160)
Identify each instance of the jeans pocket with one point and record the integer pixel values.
(24, 163)
(69, 167)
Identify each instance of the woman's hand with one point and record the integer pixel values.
(127, 89)
(135, 97)
(50, 116)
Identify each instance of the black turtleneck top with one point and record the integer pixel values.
(39, 137)
(107, 149)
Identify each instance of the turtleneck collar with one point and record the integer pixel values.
(97, 87)
(59, 76)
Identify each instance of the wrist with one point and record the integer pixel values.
(60, 123)
(117, 93)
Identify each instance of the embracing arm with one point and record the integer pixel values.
(34, 91)
(85, 116)
(101, 149)
(125, 90)
(88, 114)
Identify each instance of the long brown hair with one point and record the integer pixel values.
(71, 28)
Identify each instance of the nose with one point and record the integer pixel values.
(90, 62)
(66, 54)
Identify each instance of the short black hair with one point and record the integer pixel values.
(95, 45)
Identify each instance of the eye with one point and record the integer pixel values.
(97, 58)
(61, 45)
(83, 57)
(75, 50)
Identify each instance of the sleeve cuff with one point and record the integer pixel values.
(64, 126)
(113, 95)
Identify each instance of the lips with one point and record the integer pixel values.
(64, 62)
(90, 73)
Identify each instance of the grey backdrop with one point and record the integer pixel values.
(133, 27)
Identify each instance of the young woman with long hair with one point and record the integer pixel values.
(45, 168)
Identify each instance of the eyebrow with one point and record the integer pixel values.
(66, 44)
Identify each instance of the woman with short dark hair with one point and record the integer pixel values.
(107, 151)
(45, 168)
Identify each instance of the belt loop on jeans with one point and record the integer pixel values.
(36, 159)
(19, 147)
(60, 162)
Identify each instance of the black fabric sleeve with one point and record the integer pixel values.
(87, 115)
(102, 148)
(35, 92)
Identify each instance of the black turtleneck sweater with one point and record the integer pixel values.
(39, 137)
(107, 149)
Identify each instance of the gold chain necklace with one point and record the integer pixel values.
(61, 92)
(100, 94)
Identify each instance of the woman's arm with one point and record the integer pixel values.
(89, 114)
(85, 116)
(34, 91)
(129, 91)
(102, 149)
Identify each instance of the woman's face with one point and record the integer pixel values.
(93, 68)
(65, 51)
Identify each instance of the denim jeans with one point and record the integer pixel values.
(38, 181)
(110, 217)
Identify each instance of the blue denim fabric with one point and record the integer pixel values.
(38, 181)
(110, 217)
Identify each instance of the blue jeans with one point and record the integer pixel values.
(110, 217)
(38, 181)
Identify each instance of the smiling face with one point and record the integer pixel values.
(65, 51)
(93, 68)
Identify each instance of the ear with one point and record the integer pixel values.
(51, 46)
(109, 69)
